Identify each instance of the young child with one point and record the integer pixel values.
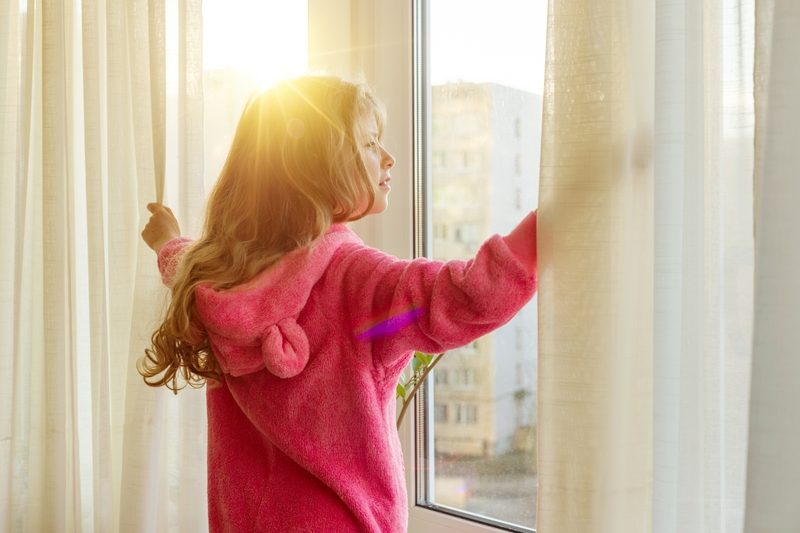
(271, 304)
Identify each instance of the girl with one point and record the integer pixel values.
(271, 304)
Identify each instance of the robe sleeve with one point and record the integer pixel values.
(432, 306)
(169, 256)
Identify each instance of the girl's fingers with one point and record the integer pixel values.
(154, 206)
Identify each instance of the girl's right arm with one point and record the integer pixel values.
(161, 228)
(163, 234)
(169, 256)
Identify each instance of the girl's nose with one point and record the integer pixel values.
(388, 159)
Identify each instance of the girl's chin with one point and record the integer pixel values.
(379, 206)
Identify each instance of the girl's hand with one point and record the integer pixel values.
(162, 227)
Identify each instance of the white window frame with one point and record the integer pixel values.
(375, 38)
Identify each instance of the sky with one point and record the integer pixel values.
(504, 44)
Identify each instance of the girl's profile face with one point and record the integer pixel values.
(377, 161)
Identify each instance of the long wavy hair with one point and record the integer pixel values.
(294, 168)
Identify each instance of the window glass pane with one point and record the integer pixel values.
(487, 72)
(247, 44)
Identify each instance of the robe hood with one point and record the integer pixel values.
(254, 326)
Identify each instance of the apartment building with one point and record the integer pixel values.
(485, 163)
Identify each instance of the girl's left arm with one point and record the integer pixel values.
(432, 306)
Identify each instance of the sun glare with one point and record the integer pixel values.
(265, 38)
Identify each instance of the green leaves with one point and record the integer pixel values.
(426, 358)
(421, 365)
(420, 362)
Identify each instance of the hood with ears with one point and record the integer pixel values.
(254, 326)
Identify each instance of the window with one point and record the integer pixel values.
(466, 414)
(464, 378)
(492, 417)
(439, 124)
(438, 160)
(467, 125)
(438, 195)
(440, 412)
(468, 234)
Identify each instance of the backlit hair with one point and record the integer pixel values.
(293, 169)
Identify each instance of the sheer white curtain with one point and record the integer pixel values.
(646, 288)
(87, 124)
(703, 312)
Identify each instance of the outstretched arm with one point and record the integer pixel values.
(432, 306)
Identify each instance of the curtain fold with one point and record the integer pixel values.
(84, 444)
(704, 262)
(595, 269)
(773, 468)
(95, 117)
(188, 458)
(10, 62)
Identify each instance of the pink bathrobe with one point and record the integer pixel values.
(301, 434)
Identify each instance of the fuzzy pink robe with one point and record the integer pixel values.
(301, 434)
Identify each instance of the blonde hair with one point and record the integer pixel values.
(294, 168)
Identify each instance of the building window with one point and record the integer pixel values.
(464, 378)
(440, 412)
(438, 160)
(518, 128)
(518, 198)
(440, 376)
(466, 413)
(467, 234)
(518, 164)
(439, 125)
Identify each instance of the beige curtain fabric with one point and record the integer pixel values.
(773, 469)
(596, 269)
(9, 109)
(84, 444)
(646, 269)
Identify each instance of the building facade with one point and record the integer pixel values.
(485, 167)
